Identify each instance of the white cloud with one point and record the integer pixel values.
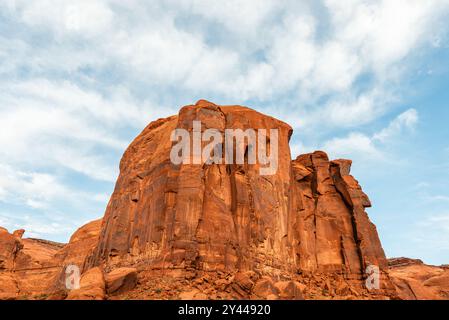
(149, 41)
(406, 120)
(117, 109)
(357, 144)
(440, 220)
(3, 222)
(61, 124)
(384, 31)
(354, 143)
(243, 18)
(350, 111)
(76, 78)
(33, 189)
(36, 227)
(83, 17)
(293, 52)
(39, 190)
(337, 69)
(432, 233)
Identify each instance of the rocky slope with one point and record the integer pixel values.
(214, 231)
(415, 280)
(35, 269)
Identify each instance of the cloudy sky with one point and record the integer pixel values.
(366, 80)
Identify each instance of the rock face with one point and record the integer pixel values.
(10, 245)
(415, 280)
(121, 280)
(81, 244)
(220, 231)
(193, 216)
(308, 217)
(35, 269)
(92, 286)
(333, 230)
(26, 265)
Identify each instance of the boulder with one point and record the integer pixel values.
(121, 280)
(92, 286)
(243, 283)
(265, 289)
(290, 290)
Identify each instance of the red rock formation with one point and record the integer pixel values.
(25, 265)
(34, 268)
(92, 286)
(81, 244)
(218, 216)
(10, 245)
(308, 217)
(415, 280)
(121, 280)
(333, 230)
(221, 231)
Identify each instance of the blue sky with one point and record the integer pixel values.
(365, 80)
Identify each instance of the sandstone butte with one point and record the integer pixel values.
(220, 231)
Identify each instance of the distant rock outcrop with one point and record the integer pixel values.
(415, 280)
(35, 269)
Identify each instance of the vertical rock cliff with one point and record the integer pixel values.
(308, 217)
